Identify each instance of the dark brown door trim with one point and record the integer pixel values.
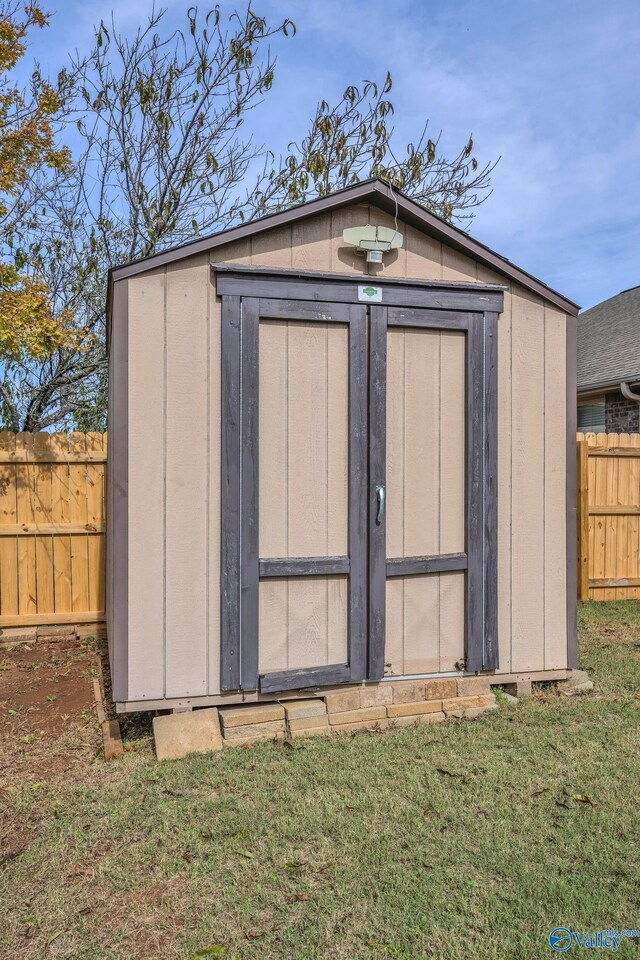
(238, 281)
(480, 557)
(230, 498)
(242, 567)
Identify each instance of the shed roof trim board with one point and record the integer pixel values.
(380, 194)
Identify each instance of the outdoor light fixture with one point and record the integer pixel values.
(373, 241)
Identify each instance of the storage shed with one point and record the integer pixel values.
(325, 471)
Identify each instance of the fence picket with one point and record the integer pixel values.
(8, 545)
(583, 519)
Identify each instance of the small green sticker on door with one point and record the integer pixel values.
(370, 294)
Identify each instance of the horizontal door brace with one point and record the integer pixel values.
(303, 566)
(411, 566)
(309, 677)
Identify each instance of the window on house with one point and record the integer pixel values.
(591, 416)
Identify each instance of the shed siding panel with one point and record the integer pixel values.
(456, 266)
(272, 434)
(237, 252)
(527, 490)
(424, 255)
(272, 249)
(395, 443)
(303, 439)
(302, 622)
(146, 484)
(451, 620)
(337, 433)
(452, 441)
(337, 619)
(425, 624)
(312, 244)
(187, 476)
(273, 624)
(555, 455)
(421, 646)
(421, 431)
(425, 442)
(394, 627)
(306, 480)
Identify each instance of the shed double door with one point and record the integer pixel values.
(353, 482)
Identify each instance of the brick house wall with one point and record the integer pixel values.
(622, 415)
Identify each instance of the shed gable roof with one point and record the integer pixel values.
(380, 194)
(609, 341)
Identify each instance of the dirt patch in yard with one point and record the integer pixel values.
(47, 715)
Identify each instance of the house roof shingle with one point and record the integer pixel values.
(609, 341)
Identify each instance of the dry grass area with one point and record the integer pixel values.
(470, 839)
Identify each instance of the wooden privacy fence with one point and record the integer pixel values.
(608, 516)
(52, 524)
(52, 528)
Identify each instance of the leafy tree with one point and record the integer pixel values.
(352, 141)
(166, 154)
(29, 327)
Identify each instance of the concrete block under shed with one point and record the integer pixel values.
(576, 684)
(521, 688)
(270, 728)
(441, 689)
(339, 701)
(364, 715)
(376, 694)
(308, 723)
(473, 686)
(414, 708)
(408, 691)
(300, 709)
(179, 734)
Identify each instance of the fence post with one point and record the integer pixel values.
(582, 453)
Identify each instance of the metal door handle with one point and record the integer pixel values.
(380, 495)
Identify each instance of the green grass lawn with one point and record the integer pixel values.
(458, 840)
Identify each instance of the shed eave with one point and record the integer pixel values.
(380, 194)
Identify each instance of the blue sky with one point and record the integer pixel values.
(550, 87)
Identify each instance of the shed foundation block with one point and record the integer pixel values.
(576, 684)
(521, 688)
(179, 734)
